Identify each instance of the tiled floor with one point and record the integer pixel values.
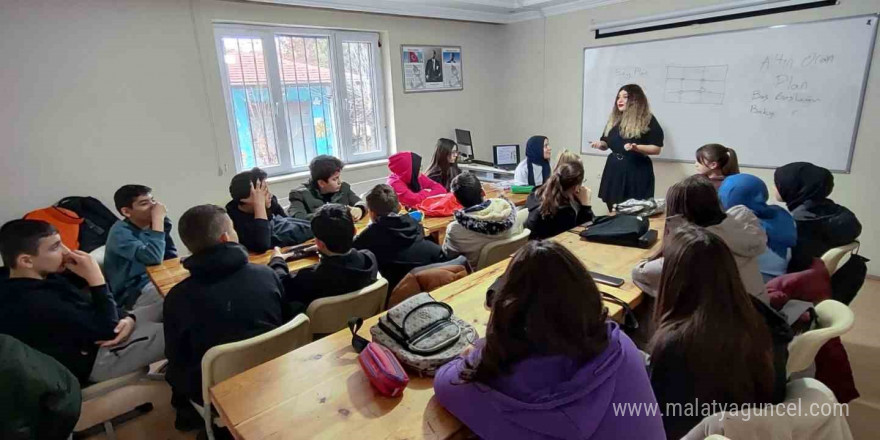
(862, 344)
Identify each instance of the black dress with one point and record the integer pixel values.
(629, 174)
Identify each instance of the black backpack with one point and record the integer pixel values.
(622, 230)
(97, 220)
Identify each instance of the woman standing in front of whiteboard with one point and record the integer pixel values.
(632, 133)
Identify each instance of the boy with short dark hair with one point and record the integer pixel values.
(225, 299)
(397, 241)
(142, 239)
(480, 222)
(259, 220)
(41, 308)
(341, 269)
(325, 186)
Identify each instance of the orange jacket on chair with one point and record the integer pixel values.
(65, 221)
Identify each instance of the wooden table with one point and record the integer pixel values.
(170, 272)
(318, 391)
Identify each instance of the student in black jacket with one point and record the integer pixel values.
(559, 204)
(397, 240)
(821, 223)
(259, 220)
(225, 299)
(46, 311)
(341, 269)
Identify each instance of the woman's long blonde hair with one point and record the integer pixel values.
(566, 156)
(635, 119)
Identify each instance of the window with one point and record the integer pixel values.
(292, 94)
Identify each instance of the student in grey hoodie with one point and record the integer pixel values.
(480, 223)
(696, 201)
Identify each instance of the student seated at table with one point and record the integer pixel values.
(716, 162)
(325, 186)
(342, 269)
(410, 185)
(560, 204)
(225, 299)
(551, 365)
(694, 200)
(535, 169)
(481, 221)
(83, 331)
(750, 191)
(443, 165)
(259, 220)
(397, 240)
(567, 156)
(711, 344)
(821, 223)
(141, 239)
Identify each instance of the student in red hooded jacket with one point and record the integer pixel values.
(410, 185)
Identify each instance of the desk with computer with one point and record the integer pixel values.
(505, 159)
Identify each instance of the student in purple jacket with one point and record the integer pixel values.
(551, 366)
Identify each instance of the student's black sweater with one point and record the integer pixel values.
(226, 299)
(333, 275)
(399, 244)
(56, 318)
(259, 235)
(545, 227)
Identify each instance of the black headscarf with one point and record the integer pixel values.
(800, 182)
(535, 155)
(414, 174)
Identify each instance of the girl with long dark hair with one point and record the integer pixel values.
(711, 343)
(560, 204)
(550, 366)
(443, 165)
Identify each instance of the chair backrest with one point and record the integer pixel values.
(501, 249)
(98, 255)
(227, 360)
(331, 314)
(833, 319)
(833, 257)
(769, 423)
(522, 214)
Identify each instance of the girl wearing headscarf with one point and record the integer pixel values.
(535, 170)
(751, 192)
(408, 182)
(821, 223)
(632, 134)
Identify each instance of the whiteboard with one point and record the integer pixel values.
(775, 95)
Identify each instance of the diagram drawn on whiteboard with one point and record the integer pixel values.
(695, 84)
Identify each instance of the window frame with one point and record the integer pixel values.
(342, 129)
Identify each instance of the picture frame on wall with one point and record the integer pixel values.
(431, 68)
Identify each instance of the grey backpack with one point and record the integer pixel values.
(423, 333)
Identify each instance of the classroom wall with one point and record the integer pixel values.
(543, 62)
(99, 93)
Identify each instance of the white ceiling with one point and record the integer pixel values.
(490, 11)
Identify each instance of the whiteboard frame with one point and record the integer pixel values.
(867, 73)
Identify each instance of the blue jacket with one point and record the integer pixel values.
(129, 251)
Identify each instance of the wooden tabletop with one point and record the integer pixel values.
(170, 272)
(319, 391)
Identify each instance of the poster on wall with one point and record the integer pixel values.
(431, 68)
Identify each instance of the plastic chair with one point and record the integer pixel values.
(100, 389)
(522, 214)
(331, 314)
(833, 257)
(501, 249)
(832, 320)
(227, 360)
(98, 255)
(806, 392)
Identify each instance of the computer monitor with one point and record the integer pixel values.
(465, 145)
(505, 156)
